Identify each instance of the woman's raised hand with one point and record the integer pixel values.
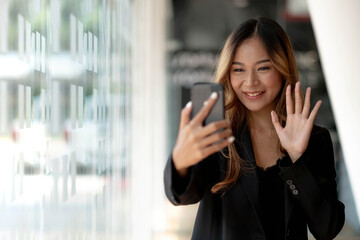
(294, 137)
(195, 141)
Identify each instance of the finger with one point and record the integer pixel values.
(213, 127)
(315, 111)
(306, 108)
(298, 102)
(185, 115)
(289, 102)
(217, 147)
(205, 110)
(275, 121)
(222, 135)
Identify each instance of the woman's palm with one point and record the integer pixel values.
(294, 137)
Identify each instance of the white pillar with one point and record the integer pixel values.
(4, 20)
(337, 32)
(148, 113)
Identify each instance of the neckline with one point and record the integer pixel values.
(270, 169)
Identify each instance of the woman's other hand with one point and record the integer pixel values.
(294, 137)
(195, 142)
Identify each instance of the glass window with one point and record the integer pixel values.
(65, 70)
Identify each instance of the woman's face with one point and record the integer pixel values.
(254, 78)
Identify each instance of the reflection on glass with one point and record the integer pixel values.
(64, 99)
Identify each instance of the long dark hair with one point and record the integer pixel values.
(281, 55)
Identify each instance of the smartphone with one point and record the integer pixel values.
(200, 92)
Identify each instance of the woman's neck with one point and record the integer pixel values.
(260, 121)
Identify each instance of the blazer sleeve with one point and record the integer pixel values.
(189, 190)
(311, 181)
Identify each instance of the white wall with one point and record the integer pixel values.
(337, 30)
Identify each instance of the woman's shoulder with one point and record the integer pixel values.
(320, 136)
(319, 132)
(319, 156)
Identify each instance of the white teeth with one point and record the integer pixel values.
(254, 94)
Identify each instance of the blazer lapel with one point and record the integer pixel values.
(249, 180)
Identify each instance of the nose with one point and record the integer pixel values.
(251, 79)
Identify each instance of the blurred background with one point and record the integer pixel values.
(90, 100)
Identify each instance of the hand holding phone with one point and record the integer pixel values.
(203, 129)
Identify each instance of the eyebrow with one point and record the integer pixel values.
(258, 62)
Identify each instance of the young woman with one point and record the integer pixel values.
(265, 172)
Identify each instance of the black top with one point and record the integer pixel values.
(309, 188)
(271, 200)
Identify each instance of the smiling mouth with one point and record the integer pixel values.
(253, 94)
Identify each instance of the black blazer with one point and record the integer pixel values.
(310, 194)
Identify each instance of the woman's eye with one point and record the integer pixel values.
(238, 70)
(263, 68)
